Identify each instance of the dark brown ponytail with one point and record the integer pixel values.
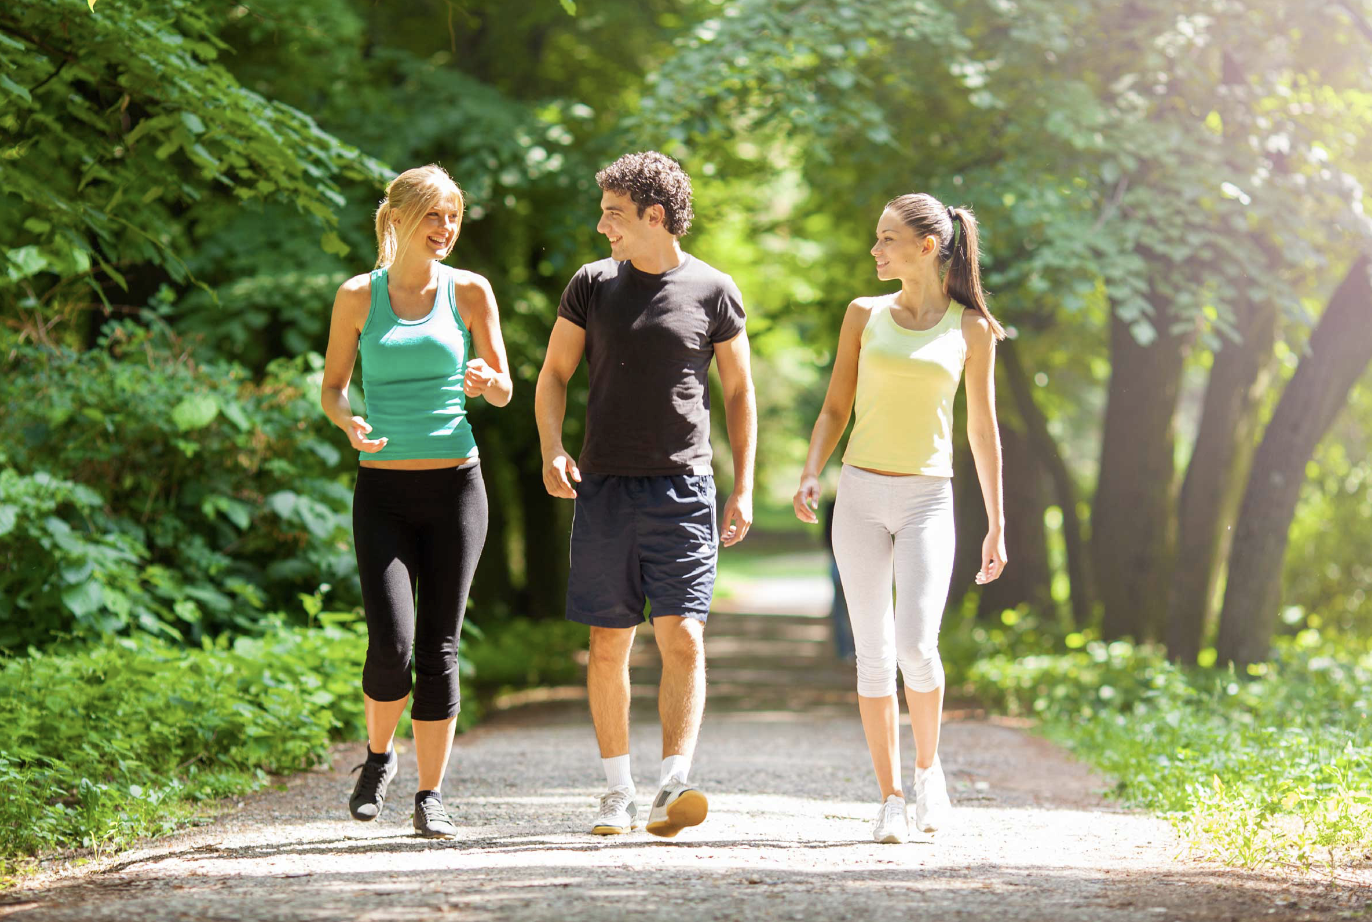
(956, 229)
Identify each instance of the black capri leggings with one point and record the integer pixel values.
(417, 531)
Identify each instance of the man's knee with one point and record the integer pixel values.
(610, 647)
(680, 640)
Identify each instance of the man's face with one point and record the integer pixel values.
(629, 234)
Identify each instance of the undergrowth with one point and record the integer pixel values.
(1268, 768)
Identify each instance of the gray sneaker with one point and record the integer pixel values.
(369, 794)
(618, 812)
(431, 818)
(676, 806)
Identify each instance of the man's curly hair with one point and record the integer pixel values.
(650, 178)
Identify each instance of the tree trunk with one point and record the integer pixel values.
(1215, 476)
(493, 585)
(1028, 578)
(547, 536)
(1132, 517)
(1064, 487)
(1339, 350)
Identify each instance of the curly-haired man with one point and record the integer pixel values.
(649, 320)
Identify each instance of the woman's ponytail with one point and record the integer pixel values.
(386, 243)
(963, 281)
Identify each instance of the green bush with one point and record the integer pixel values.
(131, 736)
(524, 653)
(1273, 767)
(125, 738)
(143, 488)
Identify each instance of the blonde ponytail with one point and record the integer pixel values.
(409, 197)
(386, 243)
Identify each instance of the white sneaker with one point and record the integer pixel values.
(892, 825)
(933, 810)
(618, 811)
(676, 806)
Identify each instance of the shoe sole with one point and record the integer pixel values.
(611, 830)
(434, 835)
(365, 819)
(891, 839)
(689, 809)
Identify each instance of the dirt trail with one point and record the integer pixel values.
(788, 836)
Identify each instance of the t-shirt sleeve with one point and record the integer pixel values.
(729, 318)
(576, 298)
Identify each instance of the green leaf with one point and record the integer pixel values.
(15, 89)
(9, 516)
(91, 4)
(332, 243)
(195, 412)
(282, 502)
(234, 413)
(24, 262)
(569, 6)
(84, 599)
(78, 572)
(192, 123)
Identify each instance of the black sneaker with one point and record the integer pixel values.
(431, 818)
(369, 795)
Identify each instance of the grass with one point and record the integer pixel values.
(1269, 768)
(106, 743)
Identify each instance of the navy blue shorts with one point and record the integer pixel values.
(637, 538)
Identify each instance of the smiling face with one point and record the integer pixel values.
(900, 252)
(630, 236)
(436, 231)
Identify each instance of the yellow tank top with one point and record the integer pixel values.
(905, 387)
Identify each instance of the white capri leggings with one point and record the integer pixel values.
(903, 526)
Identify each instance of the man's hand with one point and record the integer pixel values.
(559, 471)
(738, 518)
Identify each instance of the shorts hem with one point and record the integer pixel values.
(613, 621)
(693, 614)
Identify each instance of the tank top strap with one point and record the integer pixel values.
(879, 307)
(380, 299)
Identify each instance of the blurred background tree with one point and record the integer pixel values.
(1172, 199)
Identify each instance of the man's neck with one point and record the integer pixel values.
(660, 259)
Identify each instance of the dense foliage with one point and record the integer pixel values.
(149, 489)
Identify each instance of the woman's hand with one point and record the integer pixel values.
(992, 557)
(357, 430)
(806, 500)
(478, 378)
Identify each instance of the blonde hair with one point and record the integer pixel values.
(409, 197)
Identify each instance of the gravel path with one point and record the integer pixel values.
(788, 836)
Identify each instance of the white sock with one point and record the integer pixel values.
(617, 772)
(675, 768)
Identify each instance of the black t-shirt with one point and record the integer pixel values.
(649, 341)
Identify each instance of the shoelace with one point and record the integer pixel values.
(613, 803)
(369, 785)
(434, 811)
(891, 814)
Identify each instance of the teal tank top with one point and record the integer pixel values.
(412, 377)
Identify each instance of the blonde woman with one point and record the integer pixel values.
(900, 358)
(429, 338)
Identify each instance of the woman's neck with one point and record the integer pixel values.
(923, 297)
(412, 274)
